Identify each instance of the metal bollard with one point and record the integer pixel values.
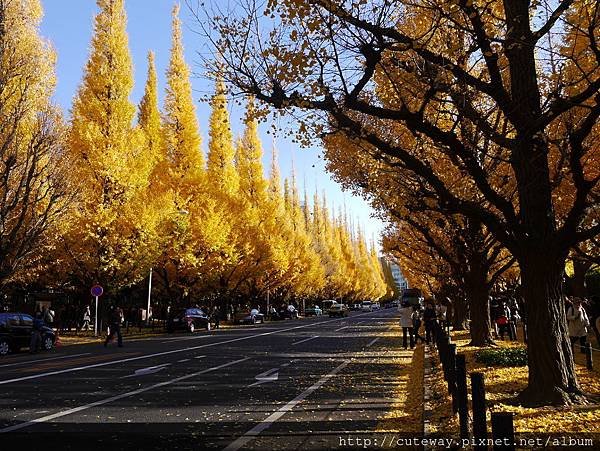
(503, 431)
(461, 395)
(479, 408)
(452, 371)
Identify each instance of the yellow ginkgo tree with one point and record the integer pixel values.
(111, 235)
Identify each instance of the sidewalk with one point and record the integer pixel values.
(503, 383)
(70, 338)
(406, 412)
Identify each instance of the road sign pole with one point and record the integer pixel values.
(96, 291)
(96, 319)
(149, 296)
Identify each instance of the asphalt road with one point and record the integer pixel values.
(295, 384)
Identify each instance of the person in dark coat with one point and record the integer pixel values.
(216, 316)
(416, 319)
(406, 324)
(115, 320)
(429, 317)
(36, 333)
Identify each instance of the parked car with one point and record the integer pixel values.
(355, 306)
(366, 306)
(338, 309)
(326, 304)
(313, 310)
(249, 317)
(15, 333)
(188, 319)
(288, 312)
(376, 306)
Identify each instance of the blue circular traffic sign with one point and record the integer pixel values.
(97, 290)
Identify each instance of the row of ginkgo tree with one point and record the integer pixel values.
(134, 192)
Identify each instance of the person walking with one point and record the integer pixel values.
(416, 319)
(503, 319)
(429, 316)
(116, 319)
(216, 316)
(578, 323)
(87, 317)
(406, 323)
(36, 333)
(48, 316)
(594, 316)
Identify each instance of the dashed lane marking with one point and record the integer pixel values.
(305, 340)
(268, 422)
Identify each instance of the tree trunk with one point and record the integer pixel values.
(478, 294)
(552, 378)
(459, 313)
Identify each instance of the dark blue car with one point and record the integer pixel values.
(15, 333)
(188, 319)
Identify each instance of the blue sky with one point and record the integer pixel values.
(68, 25)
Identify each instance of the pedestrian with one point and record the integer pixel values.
(116, 319)
(502, 320)
(429, 316)
(216, 316)
(406, 323)
(87, 317)
(514, 320)
(441, 312)
(578, 323)
(48, 316)
(36, 333)
(594, 316)
(416, 319)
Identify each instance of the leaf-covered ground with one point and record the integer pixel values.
(504, 383)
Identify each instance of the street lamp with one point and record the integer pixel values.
(180, 212)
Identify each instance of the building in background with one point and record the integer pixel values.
(398, 277)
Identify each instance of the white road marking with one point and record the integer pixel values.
(116, 398)
(372, 342)
(196, 337)
(268, 376)
(183, 360)
(44, 360)
(305, 340)
(268, 422)
(148, 356)
(149, 370)
(342, 328)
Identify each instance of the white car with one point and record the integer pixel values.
(376, 306)
(366, 306)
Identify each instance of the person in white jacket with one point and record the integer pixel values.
(406, 324)
(578, 323)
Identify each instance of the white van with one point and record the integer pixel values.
(366, 306)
